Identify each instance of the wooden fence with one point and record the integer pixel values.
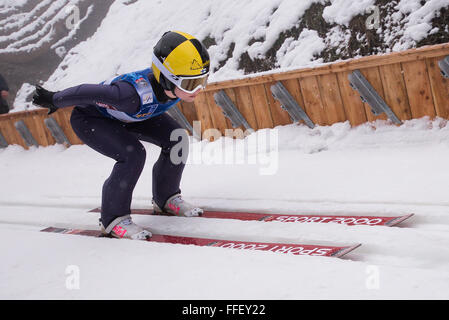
(34, 120)
(410, 82)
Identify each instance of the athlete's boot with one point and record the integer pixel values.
(124, 227)
(176, 206)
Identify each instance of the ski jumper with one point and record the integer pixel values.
(111, 118)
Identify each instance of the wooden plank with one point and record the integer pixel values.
(202, 110)
(395, 90)
(31, 125)
(64, 122)
(42, 128)
(279, 115)
(42, 134)
(58, 117)
(312, 100)
(261, 107)
(347, 65)
(5, 130)
(39, 130)
(10, 133)
(439, 86)
(245, 105)
(33, 128)
(217, 115)
(418, 89)
(188, 109)
(354, 107)
(62, 117)
(331, 97)
(180, 106)
(373, 77)
(13, 117)
(294, 88)
(231, 94)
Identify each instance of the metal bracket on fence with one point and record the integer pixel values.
(25, 133)
(444, 67)
(369, 95)
(230, 110)
(176, 114)
(56, 132)
(3, 142)
(289, 104)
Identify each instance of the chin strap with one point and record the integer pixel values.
(173, 91)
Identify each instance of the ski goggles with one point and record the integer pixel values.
(188, 84)
(192, 84)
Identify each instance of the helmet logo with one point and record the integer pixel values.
(196, 65)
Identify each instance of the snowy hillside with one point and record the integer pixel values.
(243, 37)
(234, 28)
(373, 169)
(26, 33)
(35, 35)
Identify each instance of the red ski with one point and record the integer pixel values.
(288, 248)
(249, 216)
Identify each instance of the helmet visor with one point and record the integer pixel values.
(190, 85)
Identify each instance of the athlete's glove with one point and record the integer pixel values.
(44, 98)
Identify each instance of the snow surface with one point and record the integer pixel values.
(342, 11)
(376, 168)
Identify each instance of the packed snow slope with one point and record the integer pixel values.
(375, 168)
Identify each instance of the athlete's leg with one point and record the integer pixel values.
(112, 139)
(168, 169)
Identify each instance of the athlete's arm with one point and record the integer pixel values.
(119, 96)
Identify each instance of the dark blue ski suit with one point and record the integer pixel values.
(111, 118)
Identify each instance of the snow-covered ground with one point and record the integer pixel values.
(372, 169)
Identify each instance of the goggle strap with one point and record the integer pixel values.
(176, 80)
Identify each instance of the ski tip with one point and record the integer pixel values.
(398, 220)
(343, 251)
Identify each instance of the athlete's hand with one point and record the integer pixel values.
(44, 98)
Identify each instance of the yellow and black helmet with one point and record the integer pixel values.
(180, 60)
